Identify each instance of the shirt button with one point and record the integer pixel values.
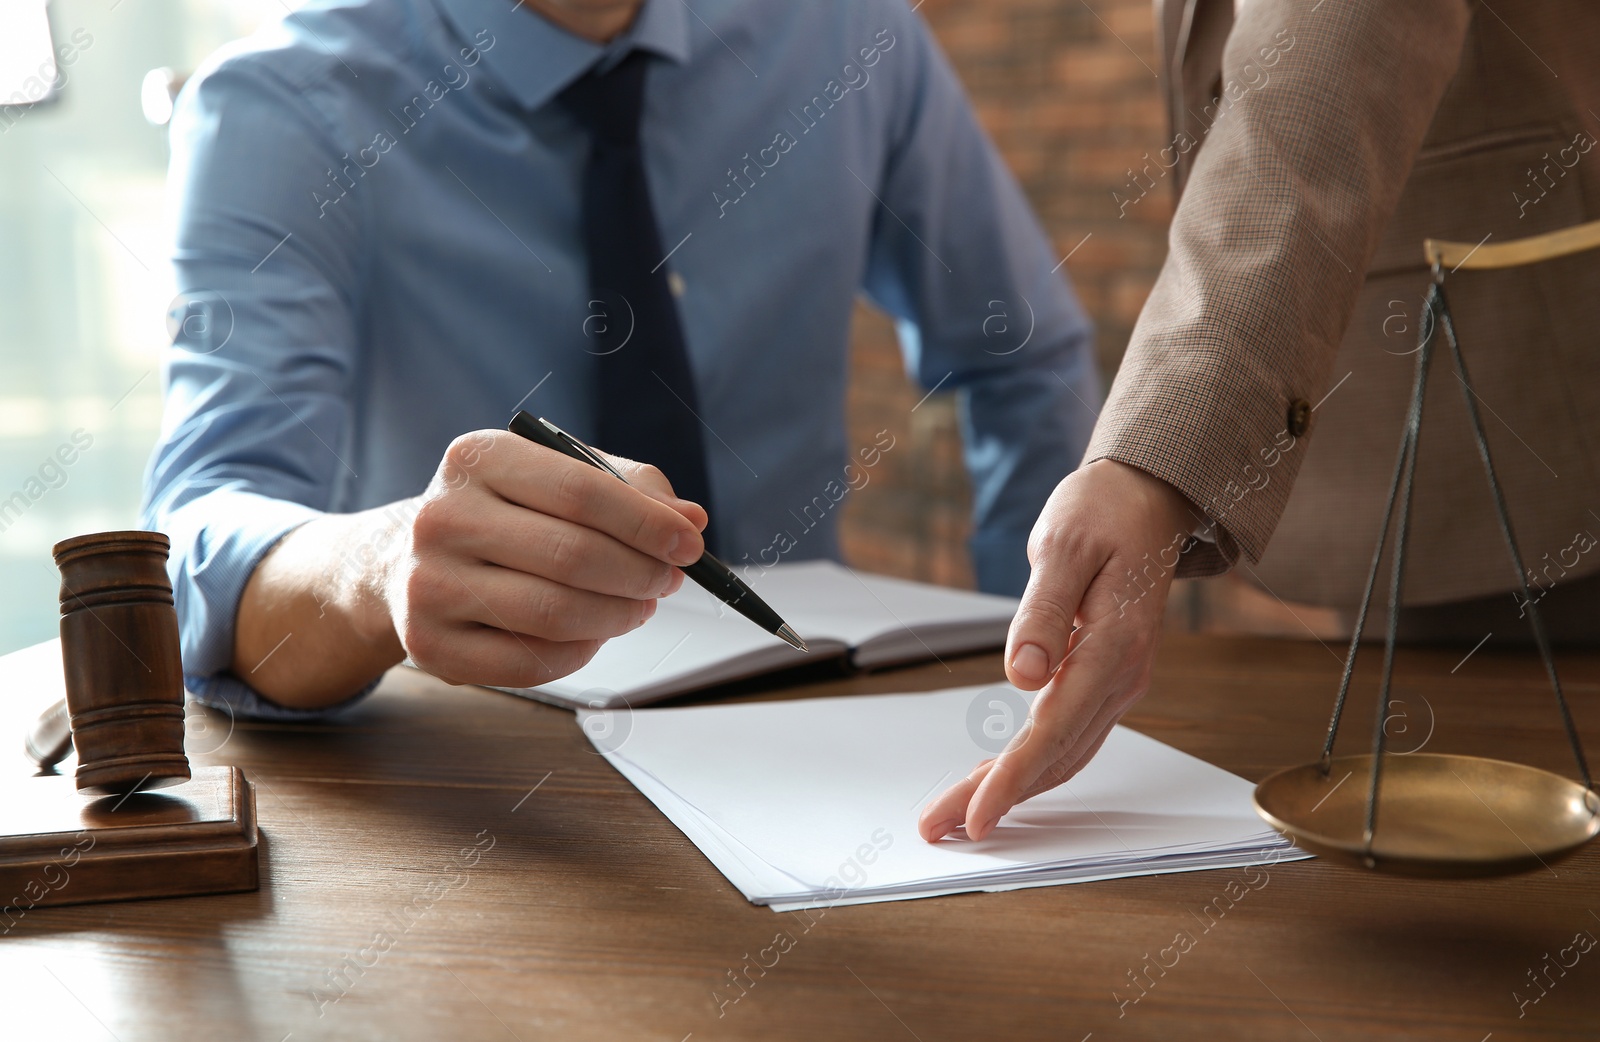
(675, 283)
(1299, 417)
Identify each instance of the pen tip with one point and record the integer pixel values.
(793, 638)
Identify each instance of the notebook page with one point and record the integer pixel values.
(861, 609)
(695, 641)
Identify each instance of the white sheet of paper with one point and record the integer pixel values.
(826, 792)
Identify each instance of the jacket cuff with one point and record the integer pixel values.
(1208, 554)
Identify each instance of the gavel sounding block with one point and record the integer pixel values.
(58, 846)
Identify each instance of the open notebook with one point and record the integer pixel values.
(695, 640)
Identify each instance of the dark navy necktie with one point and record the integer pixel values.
(646, 407)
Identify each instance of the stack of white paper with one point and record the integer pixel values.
(814, 802)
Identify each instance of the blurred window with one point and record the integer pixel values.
(84, 279)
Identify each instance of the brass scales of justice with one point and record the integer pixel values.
(1441, 815)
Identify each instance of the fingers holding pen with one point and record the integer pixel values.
(518, 561)
(512, 537)
(653, 483)
(646, 518)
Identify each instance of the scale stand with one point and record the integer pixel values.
(1444, 816)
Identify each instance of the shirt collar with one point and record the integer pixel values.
(535, 59)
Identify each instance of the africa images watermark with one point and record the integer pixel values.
(51, 475)
(1536, 187)
(52, 878)
(851, 875)
(1151, 970)
(1255, 78)
(1582, 942)
(341, 978)
(357, 562)
(1542, 581)
(451, 78)
(47, 79)
(851, 78)
(854, 477)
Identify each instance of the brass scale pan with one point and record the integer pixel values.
(1442, 816)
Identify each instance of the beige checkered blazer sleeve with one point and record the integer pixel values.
(1284, 205)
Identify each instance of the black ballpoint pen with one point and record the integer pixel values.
(716, 577)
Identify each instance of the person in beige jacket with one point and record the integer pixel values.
(1317, 143)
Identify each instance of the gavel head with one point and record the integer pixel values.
(119, 648)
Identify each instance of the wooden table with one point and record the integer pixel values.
(452, 863)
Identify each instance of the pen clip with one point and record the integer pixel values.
(589, 454)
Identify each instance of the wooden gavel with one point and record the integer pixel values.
(124, 676)
(124, 713)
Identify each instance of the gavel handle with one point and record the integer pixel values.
(50, 740)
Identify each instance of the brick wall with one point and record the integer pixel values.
(1067, 91)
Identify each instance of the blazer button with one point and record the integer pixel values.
(1299, 417)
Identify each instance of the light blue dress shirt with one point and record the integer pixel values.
(377, 238)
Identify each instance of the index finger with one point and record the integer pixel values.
(653, 483)
(1061, 713)
(947, 811)
(549, 482)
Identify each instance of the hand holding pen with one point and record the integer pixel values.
(711, 574)
(511, 569)
(524, 561)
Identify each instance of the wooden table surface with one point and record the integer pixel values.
(453, 863)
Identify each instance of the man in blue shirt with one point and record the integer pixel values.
(381, 243)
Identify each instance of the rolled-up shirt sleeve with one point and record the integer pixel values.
(264, 346)
(959, 259)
